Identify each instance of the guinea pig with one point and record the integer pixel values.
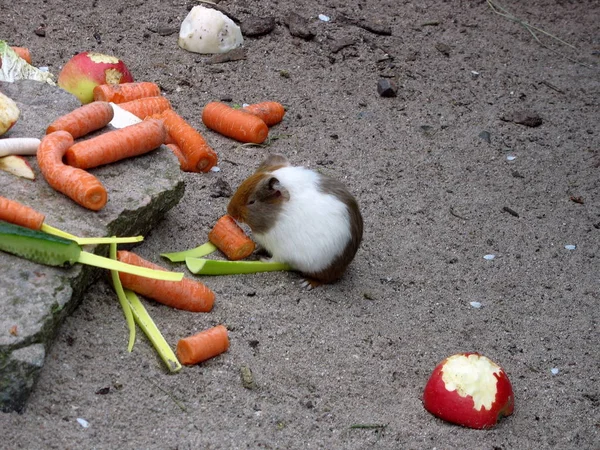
(301, 217)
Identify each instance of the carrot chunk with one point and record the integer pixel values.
(234, 123)
(19, 214)
(146, 106)
(187, 294)
(229, 237)
(125, 92)
(81, 186)
(116, 145)
(203, 345)
(271, 113)
(83, 120)
(198, 156)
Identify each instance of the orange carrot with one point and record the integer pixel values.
(19, 214)
(270, 112)
(147, 106)
(187, 294)
(125, 92)
(79, 185)
(198, 155)
(202, 346)
(83, 120)
(23, 52)
(118, 144)
(234, 123)
(231, 239)
(177, 151)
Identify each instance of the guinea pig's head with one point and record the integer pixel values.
(258, 201)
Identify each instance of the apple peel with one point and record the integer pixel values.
(9, 113)
(470, 390)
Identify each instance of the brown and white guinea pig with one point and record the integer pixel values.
(302, 218)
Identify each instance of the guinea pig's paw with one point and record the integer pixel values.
(309, 283)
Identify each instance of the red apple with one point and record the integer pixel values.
(470, 390)
(9, 113)
(84, 71)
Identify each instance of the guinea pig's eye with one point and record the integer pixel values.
(251, 202)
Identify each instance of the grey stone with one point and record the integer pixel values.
(257, 26)
(387, 88)
(35, 299)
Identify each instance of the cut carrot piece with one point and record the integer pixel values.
(229, 237)
(83, 120)
(234, 123)
(115, 145)
(147, 106)
(19, 214)
(79, 185)
(198, 155)
(23, 52)
(187, 294)
(271, 113)
(202, 346)
(125, 92)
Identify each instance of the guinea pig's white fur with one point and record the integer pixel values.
(312, 229)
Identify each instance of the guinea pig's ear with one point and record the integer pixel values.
(273, 191)
(273, 160)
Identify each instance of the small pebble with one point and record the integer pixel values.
(511, 158)
(475, 304)
(387, 88)
(486, 136)
(474, 74)
(554, 371)
(324, 18)
(489, 257)
(570, 247)
(84, 423)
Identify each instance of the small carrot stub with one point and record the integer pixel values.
(147, 106)
(229, 237)
(83, 120)
(202, 346)
(234, 123)
(125, 92)
(81, 186)
(197, 155)
(187, 294)
(19, 214)
(271, 113)
(116, 145)
(23, 52)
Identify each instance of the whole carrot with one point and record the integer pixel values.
(271, 113)
(125, 92)
(234, 123)
(23, 52)
(115, 145)
(146, 106)
(202, 346)
(19, 214)
(198, 155)
(187, 294)
(83, 120)
(79, 185)
(227, 235)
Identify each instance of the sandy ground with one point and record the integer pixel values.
(344, 366)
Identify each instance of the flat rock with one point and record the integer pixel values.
(298, 26)
(527, 118)
(35, 299)
(257, 26)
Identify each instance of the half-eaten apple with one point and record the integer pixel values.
(86, 70)
(470, 390)
(9, 113)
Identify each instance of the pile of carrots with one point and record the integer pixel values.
(66, 153)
